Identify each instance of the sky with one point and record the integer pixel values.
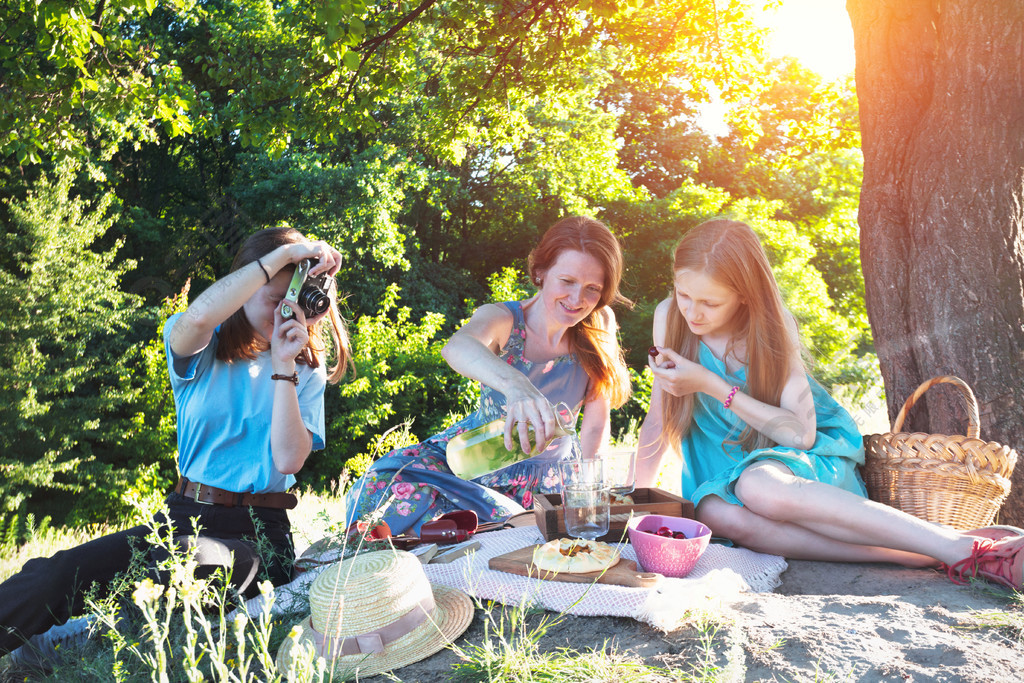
(817, 32)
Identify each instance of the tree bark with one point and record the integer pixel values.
(941, 93)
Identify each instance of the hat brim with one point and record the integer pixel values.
(453, 612)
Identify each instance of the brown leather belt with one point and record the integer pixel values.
(211, 495)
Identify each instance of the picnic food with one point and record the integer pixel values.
(653, 352)
(665, 532)
(659, 550)
(574, 556)
(619, 499)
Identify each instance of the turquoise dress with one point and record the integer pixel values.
(711, 466)
(420, 480)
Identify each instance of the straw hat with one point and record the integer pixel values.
(375, 612)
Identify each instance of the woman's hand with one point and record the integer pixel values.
(677, 375)
(526, 406)
(290, 337)
(328, 259)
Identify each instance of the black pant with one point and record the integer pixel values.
(49, 591)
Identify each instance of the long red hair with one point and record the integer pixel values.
(238, 338)
(730, 253)
(596, 348)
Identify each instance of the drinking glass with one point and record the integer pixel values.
(582, 471)
(620, 469)
(586, 508)
(585, 497)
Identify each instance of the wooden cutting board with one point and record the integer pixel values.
(624, 573)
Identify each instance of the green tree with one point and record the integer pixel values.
(83, 77)
(65, 329)
(400, 376)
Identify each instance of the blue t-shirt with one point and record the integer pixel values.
(224, 412)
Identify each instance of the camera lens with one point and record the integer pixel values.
(314, 301)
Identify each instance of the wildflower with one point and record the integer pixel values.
(240, 622)
(146, 592)
(192, 591)
(182, 572)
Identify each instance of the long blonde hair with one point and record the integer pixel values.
(597, 349)
(730, 253)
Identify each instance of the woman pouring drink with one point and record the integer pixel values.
(558, 346)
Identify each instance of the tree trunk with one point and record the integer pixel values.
(941, 92)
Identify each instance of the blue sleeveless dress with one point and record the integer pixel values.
(711, 466)
(426, 488)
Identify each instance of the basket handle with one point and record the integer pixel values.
(966, 395)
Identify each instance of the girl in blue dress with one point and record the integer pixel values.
(768, 457)
(558, 346)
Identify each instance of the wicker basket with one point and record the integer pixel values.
(960, 481)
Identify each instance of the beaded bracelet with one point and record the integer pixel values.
(730, 397)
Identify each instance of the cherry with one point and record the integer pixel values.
(665, 532)
(653, 352)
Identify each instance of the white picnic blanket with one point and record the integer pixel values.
(720, 574)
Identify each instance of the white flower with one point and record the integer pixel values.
(146, 592)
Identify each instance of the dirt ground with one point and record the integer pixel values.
(827, 621)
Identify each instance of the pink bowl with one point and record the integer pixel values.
(668, 556)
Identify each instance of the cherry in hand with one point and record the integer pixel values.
(654, 353)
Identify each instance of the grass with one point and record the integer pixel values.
(182, 631)
(49, 542)
(1008, 622)
(511, 651)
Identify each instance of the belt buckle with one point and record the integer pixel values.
(195, 495)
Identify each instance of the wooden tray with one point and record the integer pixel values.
(550, 517)
(624, 573)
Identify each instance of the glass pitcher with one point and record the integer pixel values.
(482, 450)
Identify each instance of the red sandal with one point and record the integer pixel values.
(1000, 562)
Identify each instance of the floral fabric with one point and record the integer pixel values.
(418, 477)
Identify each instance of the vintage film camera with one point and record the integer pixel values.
(309, 293)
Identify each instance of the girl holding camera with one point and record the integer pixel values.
(248, 387)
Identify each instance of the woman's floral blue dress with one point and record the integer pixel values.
(420, 480)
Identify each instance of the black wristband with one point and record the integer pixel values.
(265, 273)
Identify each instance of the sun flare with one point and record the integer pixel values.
(816, 32)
